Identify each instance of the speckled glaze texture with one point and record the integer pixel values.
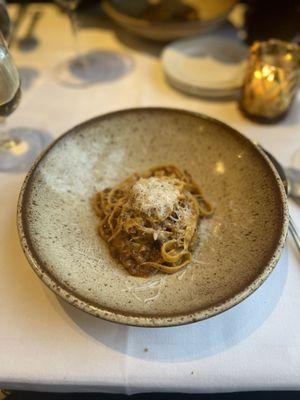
(238, 247)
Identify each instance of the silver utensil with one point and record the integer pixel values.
(287, 186)
(293, 177)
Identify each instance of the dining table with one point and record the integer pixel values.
(48, 345)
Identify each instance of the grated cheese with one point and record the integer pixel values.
(155, 196)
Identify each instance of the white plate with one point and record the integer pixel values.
(207, 66)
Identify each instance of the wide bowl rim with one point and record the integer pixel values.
(162, 31)
(150, 320)
(136, 22)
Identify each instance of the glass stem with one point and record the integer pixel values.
(75, 30)
(6, 142)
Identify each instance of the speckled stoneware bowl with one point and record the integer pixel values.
(239, 246)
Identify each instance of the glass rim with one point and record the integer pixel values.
(258, 45)
(277, 49)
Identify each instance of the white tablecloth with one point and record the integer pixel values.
(47, 344)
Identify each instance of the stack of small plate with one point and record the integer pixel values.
(208, 66)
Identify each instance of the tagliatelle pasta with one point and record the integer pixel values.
(149, 221)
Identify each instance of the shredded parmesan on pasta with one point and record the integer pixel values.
(155, 196)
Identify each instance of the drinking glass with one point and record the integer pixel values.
(271, 80)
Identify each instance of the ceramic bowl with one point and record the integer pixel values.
(238, 246)
(133, 15)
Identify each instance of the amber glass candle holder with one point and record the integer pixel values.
(271, 80)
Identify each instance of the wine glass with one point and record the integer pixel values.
(19, 146)
(10, 94)
(82, 68)
(86, 68)
(70, 6)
